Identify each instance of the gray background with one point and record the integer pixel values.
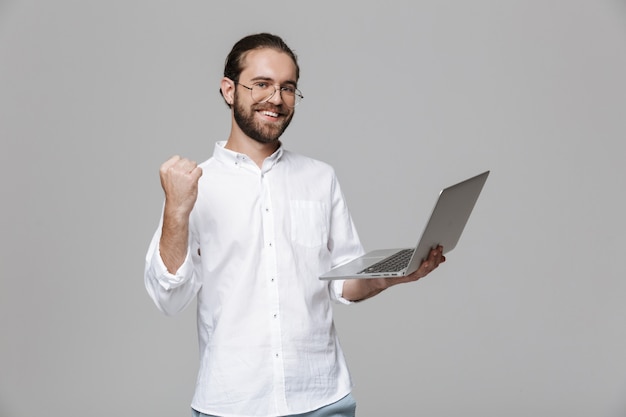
(527, 317)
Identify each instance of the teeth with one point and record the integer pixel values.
(271, 114)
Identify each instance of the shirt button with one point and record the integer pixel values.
(275, 315)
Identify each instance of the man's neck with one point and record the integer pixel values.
(254, 150)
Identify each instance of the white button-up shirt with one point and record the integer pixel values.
(258, 241)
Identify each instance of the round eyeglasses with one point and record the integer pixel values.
(263, 91)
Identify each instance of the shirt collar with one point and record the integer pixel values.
(239, 159)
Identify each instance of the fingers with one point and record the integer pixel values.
(196, 173)
(179, 164)
(179, 171)
(170, 163)
(179, 180)
(435, 257)
(176, 167)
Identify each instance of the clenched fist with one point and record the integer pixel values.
(179, 179)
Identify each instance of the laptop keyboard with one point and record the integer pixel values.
(396, 262)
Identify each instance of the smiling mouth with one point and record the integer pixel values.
(269, 113)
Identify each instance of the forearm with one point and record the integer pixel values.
(174, 240)
(362, 289)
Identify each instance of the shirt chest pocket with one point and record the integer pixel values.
(309, 223)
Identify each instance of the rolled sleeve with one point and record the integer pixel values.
(165, 278)
(170, 292)
(336, 292)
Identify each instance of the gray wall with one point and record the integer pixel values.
(527, 317)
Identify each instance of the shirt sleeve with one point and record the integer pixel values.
(171, 293)
(336, 292)
(344, 242)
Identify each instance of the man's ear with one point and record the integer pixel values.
(228, 90)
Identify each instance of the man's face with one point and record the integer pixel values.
(264, 122)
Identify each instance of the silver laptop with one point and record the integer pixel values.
(446, 223)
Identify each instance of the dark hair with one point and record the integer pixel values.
(234, 60)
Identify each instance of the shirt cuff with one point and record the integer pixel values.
(336, 289)
(166, 279)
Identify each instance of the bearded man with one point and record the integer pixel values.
(248, 233)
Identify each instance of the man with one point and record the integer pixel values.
(248, 232)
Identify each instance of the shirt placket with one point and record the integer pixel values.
(273, 296)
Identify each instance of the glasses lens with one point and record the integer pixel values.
(262, 92)
(296, 97)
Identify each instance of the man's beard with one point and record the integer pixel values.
(260, 132)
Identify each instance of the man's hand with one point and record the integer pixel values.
(179, 179)
(361, 289)
(435, 257)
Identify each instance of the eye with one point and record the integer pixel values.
(261, 85)
(288, 89)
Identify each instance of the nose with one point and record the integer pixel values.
(276, 97)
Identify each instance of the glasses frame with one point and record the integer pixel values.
(297, 94)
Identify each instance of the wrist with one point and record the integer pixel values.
(176, 213)
(382, 284)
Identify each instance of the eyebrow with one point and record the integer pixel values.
(263, 78)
